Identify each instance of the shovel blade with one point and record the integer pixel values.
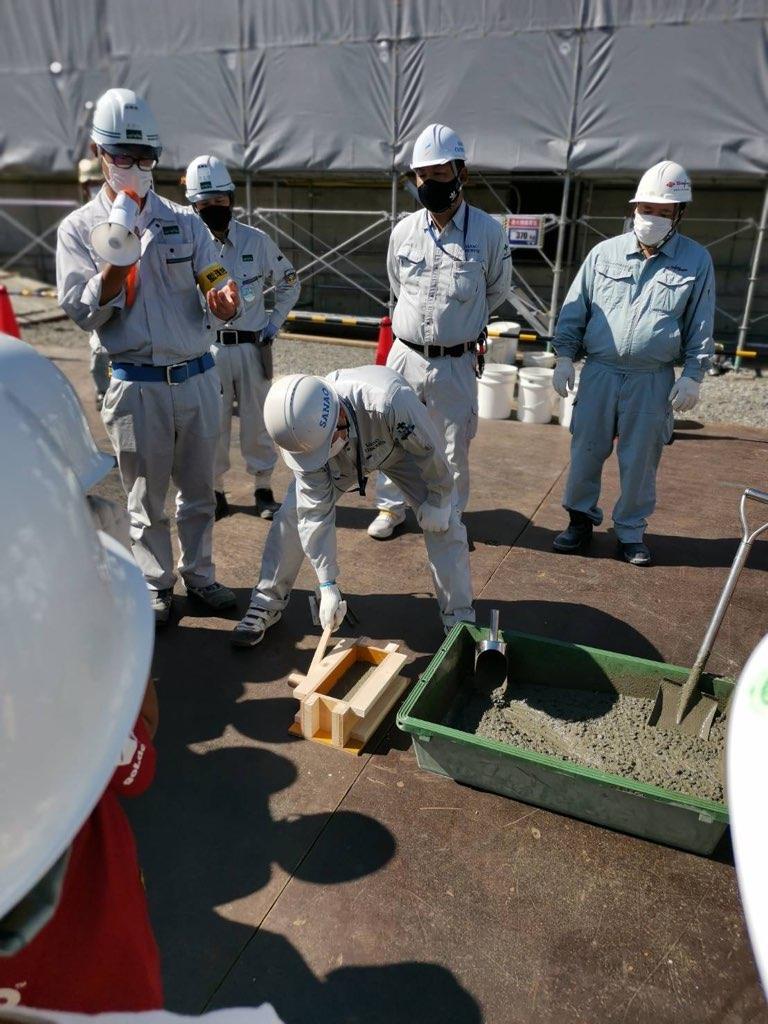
(697, 721)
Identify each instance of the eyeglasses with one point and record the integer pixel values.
(125, 160)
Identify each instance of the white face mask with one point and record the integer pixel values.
(337, 446)
(650, 230)
(131, 179)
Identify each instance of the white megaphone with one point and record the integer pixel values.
(115, 241)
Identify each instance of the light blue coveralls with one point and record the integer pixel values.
(634, 318)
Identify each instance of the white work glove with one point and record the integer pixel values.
(432, 519)
(564, 377)
(332, 608)
(684, 394)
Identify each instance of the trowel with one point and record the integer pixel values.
(685, 707)
(490, 659)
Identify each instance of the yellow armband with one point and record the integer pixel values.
(210, 276)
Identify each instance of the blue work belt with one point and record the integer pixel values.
(176, 373)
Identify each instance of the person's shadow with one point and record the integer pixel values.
(223, 830)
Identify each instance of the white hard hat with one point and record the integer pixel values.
(665, 182)
(747, 763)
(43, 389)
(437, 144)
(77, 644)
(300, 414)
(122, 118)
(207, 176)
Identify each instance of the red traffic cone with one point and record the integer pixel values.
(8, 323)
(385, 341)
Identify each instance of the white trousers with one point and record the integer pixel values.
(448, 388)
(160, 434)
(448, 553)
(242, 378)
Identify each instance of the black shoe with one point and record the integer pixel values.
(99, 400)
(266, 506)
(222, 506)
(577, 536)
(635, 554)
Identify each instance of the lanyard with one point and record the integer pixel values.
(437, 242)
(362, 481)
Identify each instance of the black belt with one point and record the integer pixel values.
(176, 373)
(230, 337)
(437, 351)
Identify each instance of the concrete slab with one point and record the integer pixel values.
(364, 889)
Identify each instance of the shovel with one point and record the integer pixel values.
(684, 707)
(491, 659)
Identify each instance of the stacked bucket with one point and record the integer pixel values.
(537, 402)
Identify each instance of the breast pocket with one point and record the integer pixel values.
(612, 283)
(178, 265)
(671, 292)
(411, 266)
(467, 278)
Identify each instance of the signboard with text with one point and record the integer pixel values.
(523, 231)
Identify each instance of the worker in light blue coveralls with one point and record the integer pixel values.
(640, 303)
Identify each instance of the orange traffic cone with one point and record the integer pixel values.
(8, 323)
(385, 341)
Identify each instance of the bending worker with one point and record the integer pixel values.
(332, 433)
(449, 267)
(639, 303)
(243, 350)
(162, 410)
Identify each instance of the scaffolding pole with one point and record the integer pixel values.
(557, 273)
(757, 253)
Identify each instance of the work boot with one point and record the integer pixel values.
(222, 505)
(215, 596)
(161, 604)
(266, 506)
(635, 554)
(385, 523)
(252, 627)
(577, 536)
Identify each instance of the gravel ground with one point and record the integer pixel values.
(598, 731)
(732, 398)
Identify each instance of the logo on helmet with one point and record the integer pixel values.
(326, 407)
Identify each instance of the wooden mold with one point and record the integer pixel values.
(349, 718)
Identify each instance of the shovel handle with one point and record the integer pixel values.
(494, 625)
(747, 539)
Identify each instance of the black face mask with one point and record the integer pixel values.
(217, 218)
(437, 196)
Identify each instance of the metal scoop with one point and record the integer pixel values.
(684, 707)
(491, 659)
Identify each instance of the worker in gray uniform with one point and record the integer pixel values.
(162, 410)
(333, 432)
(640, 302)
(243, 350)
(449, 267)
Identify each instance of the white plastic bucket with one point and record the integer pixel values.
(510, 344)
(498, 350)
(507, 373)
(494, 401)
(546, 359)
(534, 399)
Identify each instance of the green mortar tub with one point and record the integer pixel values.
(613, 801)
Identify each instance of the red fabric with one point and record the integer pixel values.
(385, 341)
(97, 953)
